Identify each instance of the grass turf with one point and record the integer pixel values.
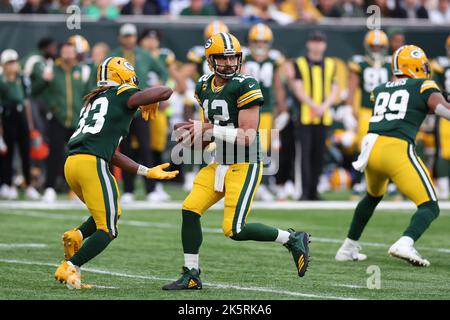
(148, 254)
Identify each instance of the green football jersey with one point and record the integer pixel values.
(370, 75)
(103, 123)
(400, 107)
(264, 72)
(441, 72)
(221, 107)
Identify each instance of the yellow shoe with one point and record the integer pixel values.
(72, 242)
(68, 274)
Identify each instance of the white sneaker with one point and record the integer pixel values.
(13, 193)
(162, 193)
(405, 250)
(262, 193)
(154, 196)
(31, 193)
(49, 195)
(349, 251)
(127, 197)
(289, 188)
(4, 191)
(281, 193)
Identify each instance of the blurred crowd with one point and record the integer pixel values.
(41, 97)
(280, 11)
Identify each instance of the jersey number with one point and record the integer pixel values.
(373, 77)
(390, 106)
(218, 110)
(263, 73)
(98, 110)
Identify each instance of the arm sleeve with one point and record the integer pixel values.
(249, 94)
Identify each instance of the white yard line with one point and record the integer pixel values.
(23, 245)
(145, 224)
(351, 286)
(176, 205)
(211, 285)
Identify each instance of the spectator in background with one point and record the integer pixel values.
(60, 6)
(33, 6)
(198, 8)
(328, 8)
(265, 11)
(410, 9)
(226, 7)
(99, 53)
(301, 10)
(396, 39)
(17, 123)
(351, 9)
(141, 7)
(386, 12)
(102, 10)
(6, 7)
(64, 83)
(441, 14)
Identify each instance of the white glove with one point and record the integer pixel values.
(281, 121)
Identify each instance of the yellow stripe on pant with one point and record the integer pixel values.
(265, 128)
(395, 159)
(241, 182)
(89, 177)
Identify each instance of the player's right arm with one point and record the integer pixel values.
(438, 104)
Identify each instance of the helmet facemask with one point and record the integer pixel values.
(376, 54)
(260, 48)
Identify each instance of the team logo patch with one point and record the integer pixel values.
(204, 87)
(416, 54)
(128, 66)
(208, 43)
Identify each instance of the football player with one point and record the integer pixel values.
(231, 103)
(367, 72)
(104, 120)
(388, 153)
(441, 69)
(265, 65)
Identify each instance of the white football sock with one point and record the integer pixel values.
(283, 236)
(406, 240)
(191, 261)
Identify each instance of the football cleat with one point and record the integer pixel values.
(72, 242)
(69, 274)
(298, 245)
(407, 252)
(190, 280)
(349, 251)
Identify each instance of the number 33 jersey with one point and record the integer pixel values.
(103, 123)
(221, 106)
(400, 107)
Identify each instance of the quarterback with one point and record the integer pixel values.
(104, 120)
(230, 103)
(388, 153)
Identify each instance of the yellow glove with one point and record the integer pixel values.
(158, 172)
(149, 111)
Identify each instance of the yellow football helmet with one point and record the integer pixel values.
(410, 61)
(376, 44)
(260, 39)
(80, 43)
(223, 44)
(215, 27)
(115, 71)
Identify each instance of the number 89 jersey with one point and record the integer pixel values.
(400, 107)
(221, 107)
(103, 123)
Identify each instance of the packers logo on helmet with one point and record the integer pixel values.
(215, 27)
(223, 45)
(376, 44)
(115, 71)
(410, 61)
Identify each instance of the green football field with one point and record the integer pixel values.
(148, 254)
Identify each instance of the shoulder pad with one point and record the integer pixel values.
(125, 87)
(357, 58)
(428, 84)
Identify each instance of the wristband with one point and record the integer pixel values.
(142, 170)
(226, 134)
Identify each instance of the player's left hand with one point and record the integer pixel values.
(159, 173)
(149, 111)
